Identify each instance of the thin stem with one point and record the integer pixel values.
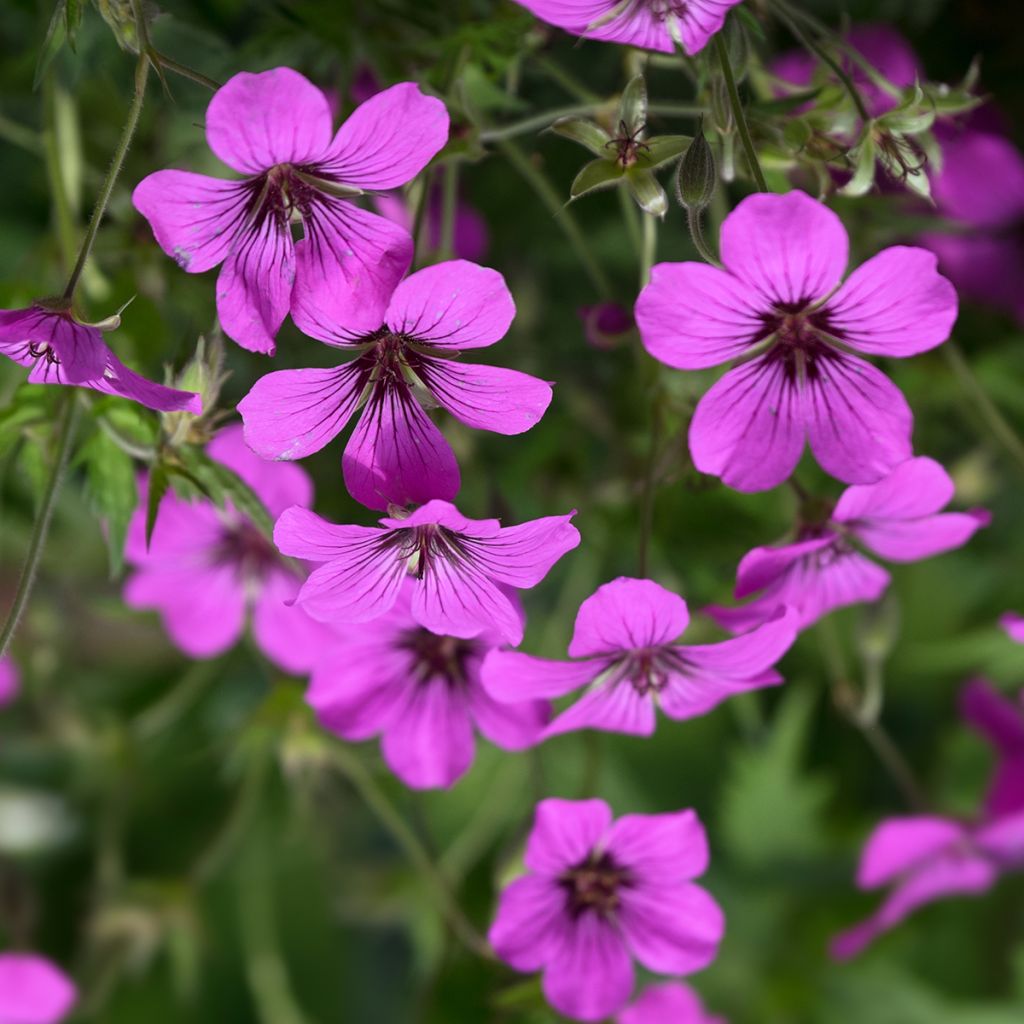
(449, 210)
(19, 135)
(165, 711)
(695, 224)
(737, 112)
(538, 122)
(169, 64)
(567, 81)
(384, 811)
(546, 192)
(649, 248)
(632, 219)
(65, 432)
(649, 486)
(141, 77)
(994, 419)
(895, 764)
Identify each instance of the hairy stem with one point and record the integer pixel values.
(737, 112)
(693, 221)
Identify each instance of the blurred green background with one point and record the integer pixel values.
(179, 833)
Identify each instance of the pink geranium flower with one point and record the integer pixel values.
(630, 663)
(1001, 721)
(9, 682)
(420, 692)
(671, 1003)
(208, 568)
(1013, 625)
(61, 350)
(33, 990)
(275, 128)
(599, 894)
(396, 455)
(923, 859)
(778, 304)
(458, 565)
(660, 25)
(898, 519)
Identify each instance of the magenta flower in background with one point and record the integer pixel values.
(458, 565)
(61, 350)
(880, 45)
(600, 894)
(606, 324)
(671, 1003)
(208, 568)
(469, 240)
(33, 990)
(275, 128)
(396, 455)
(649, 24)
(923, 859)
(629, 661)
(898, 519)
(1013, 626)
(9, 681)
(980, 189)
(420, 692)
(778, 304)
(999, 720)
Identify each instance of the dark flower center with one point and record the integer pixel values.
(628, 144)
(282, 192)
(594, 885)
(439, 657)
(662, 10)
(421, 546)
(243, 546)
(799, 334)
(648, 670)
(44, 351)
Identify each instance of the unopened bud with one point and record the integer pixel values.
(697, 176)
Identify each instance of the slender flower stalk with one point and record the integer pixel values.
(737, 110)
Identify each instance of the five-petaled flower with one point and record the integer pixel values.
(396, 455)
(275, 128)
(664, 25)
(61, 350)
(206, 568)
(459, 566)
(898, 519)
(600, 893)
(33, 990)
(779, 306)
(419, 691)
(625, 641)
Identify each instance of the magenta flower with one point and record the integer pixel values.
(924, 859)
(599, 894)
(1000, 721)
(898, 519)
(61, 350)
(880, 45)
(207, 568)
(980, 189)
(275, 128)
(1013, 626)
(649, 24)
(420, 692)
(778, 304)
(671, 1003)
(396, 455)
(33, 990)
(458, 565)
(606, 324)
(9, 681)
(469, 240)
(630, 663)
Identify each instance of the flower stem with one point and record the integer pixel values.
(384, 811)
(539, 182)
(693, 221)
(737, 111)
(141, 77)
(169, 64)
(649, 247)
(649, 485)
(449, 209)
(65, 432)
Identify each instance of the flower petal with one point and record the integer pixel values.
(999, 719)
(529, 921)
(899, 844)
(692, 315)
(913, 539)
(521, 556)
(27, 335)
(511, 726)
(564, 833)
(915, 488)
(275, 117)
(454, 305)
(33, 990)
(627, 614)
(118, 380)
(896, 304)
(761, 567)
(660, 846)
(282, 630)
(790, 248)
(670, 1003)
(512, 676)
(457, 600)
(618, 707)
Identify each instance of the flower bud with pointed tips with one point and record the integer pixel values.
(697, 176)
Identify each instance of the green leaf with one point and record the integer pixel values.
(159, 481)
(31, 405)
(597, 175)
(660, 150)
(52, 42)
(864, 170)
(649, 195)
(73, 10)
(586, 133)
(223, 485)
(633, 105)
(112, 491)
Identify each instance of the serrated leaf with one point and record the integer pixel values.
(647, 192)
(633, 105)
(223, 485)
(110, 484)
(597, 175)
(660, 150)
(586, 133)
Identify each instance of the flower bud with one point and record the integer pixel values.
(697, 175)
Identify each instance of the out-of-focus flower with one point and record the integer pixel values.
(671, 1003)
(420, 692)
(469, 240)
(206, 569)
(61, 350)
(898, 519)
(649, 24)
(1001, 721)
(1013, 625)
(33, 990)
(396, 454)
(606, 324)
(923, 859)
(458, 565)
(601, 893)
(779, 304)
(630, 663)
(9, 681)
(275, 128)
